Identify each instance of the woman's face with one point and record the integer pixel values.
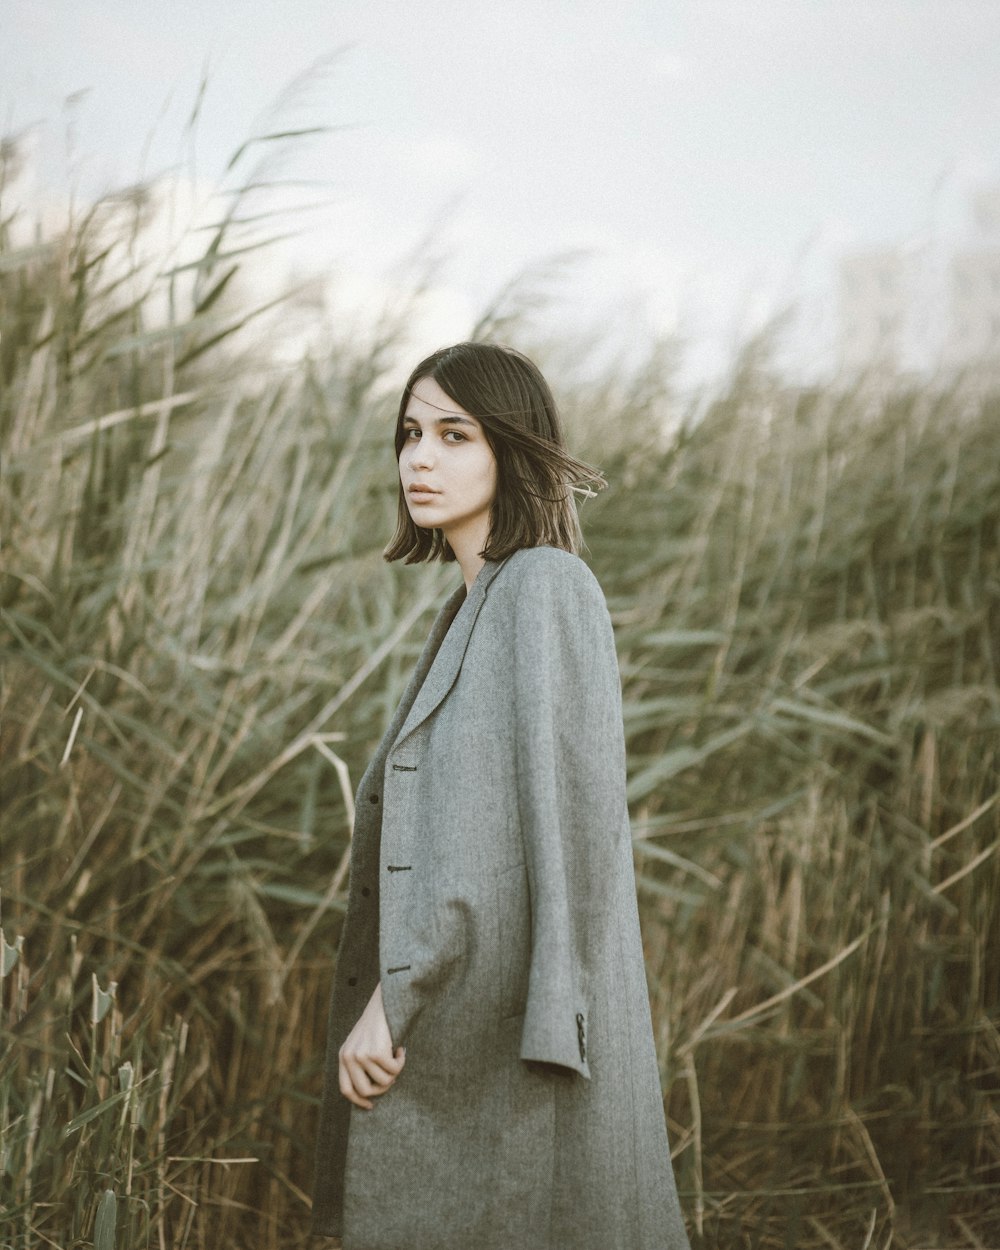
(447, 468)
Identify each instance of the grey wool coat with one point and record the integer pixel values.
(493, 895)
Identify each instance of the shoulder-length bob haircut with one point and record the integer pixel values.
(536, 475)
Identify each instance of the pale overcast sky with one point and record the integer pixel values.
(714, 154)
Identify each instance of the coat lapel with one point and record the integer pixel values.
(445, 665)
(439, 629)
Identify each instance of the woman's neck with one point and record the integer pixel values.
(467, 543)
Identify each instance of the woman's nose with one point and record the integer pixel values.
(421, 454)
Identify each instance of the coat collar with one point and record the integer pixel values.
(445, 648)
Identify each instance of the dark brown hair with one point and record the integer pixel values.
(536, 475)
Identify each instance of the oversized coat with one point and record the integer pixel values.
(492, 893)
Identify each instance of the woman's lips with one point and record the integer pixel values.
(422, 494)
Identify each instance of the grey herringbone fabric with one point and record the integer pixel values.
(492, 892)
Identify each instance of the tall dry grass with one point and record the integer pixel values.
(202, 644)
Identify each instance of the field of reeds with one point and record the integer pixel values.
(201, 644)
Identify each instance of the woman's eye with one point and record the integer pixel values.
(411, 433)
(455, 435)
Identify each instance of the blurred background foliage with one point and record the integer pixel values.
(202, 644)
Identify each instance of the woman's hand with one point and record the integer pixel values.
(368, 1063)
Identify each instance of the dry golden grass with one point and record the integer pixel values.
(201, 645)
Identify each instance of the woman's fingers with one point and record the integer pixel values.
(355, 1085)
(368, 1063)
(377, 1073)
(391, 1064)
(364, 1077)
(351, 1096)
(347, 1089)
(364, 1083)
(379, 1068)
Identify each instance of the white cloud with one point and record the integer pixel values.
(672, 67)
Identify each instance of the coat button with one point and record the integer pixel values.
(352, 980)
(365, 891)
(373, 798)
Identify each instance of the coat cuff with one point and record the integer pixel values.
(556, 1037)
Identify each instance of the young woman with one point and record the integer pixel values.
(491, 1080)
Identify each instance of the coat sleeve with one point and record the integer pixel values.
(571, 795)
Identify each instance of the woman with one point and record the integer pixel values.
(491, 1079)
